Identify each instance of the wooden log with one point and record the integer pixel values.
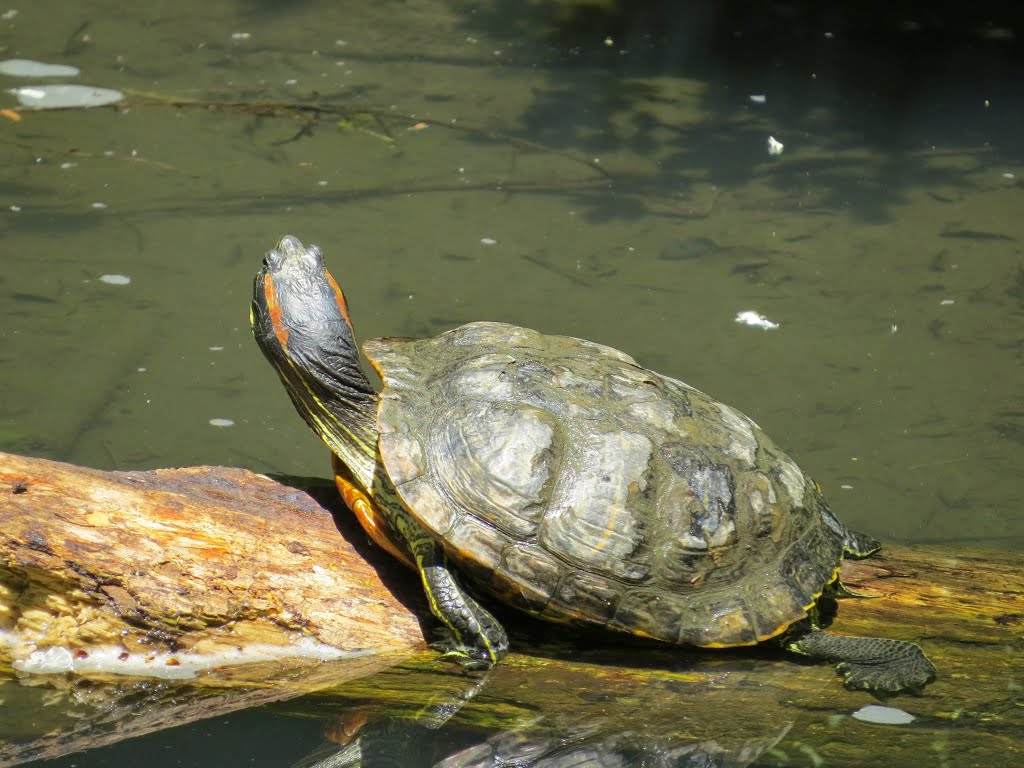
(174, 563)
(167, 571)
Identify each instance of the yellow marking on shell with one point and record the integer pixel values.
(378, 370)
(600, 544)
(784, 627)
(835, 575)
(731, 645)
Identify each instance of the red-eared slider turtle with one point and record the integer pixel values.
(560, 477)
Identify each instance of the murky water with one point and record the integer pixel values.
(567, 166)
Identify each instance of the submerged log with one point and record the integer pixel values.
(168, 565)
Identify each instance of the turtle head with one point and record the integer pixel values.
(297, 307)
(300, 320)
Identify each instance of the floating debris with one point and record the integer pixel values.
(775, 146)
(750, 317)
(488, 241)
(63, 95)
(758, 98)
(115, 279)
(222, 422)
(29, 68)
(874, 713)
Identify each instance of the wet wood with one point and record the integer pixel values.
(203, 557)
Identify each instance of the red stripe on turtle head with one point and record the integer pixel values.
(274, 309)
(339, 297)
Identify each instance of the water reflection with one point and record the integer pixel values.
(597, 744)
(614, 719)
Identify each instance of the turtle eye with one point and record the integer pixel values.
(273, 259)
(312, 258)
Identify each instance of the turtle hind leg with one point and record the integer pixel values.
(879, 665)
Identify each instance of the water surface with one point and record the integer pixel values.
(587, 169)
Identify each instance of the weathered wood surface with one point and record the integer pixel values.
(189, 558)
(176, 561)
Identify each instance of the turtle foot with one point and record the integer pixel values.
(473, 658)
(879, 665)
(471, 635)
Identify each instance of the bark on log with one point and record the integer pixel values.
(167, 564)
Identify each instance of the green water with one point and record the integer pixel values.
(567, 166)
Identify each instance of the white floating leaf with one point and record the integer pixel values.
(115, 279)
(63, 95)
(873, 713)
(756, 319)
(29, 68)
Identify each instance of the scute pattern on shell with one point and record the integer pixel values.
(572, 483)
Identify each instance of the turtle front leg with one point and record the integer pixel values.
(875, 664)
(477, 640)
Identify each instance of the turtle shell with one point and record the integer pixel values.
(570, 482)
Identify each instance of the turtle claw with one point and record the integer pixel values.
(470, 659)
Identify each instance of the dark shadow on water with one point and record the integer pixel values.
(887, 78)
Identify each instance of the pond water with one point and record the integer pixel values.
(634, 173)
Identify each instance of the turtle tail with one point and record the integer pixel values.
(857, 546)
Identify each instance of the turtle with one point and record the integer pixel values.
(560, 477)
